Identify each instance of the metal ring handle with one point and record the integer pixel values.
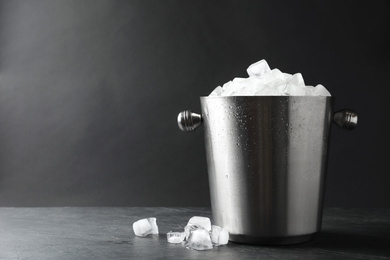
(345, 119)
(188, 121)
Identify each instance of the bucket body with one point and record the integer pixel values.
(266, 159)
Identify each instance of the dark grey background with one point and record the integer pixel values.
(90, 91)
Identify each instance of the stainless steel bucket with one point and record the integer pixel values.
(267, 158)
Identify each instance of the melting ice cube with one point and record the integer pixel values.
(199, 239)
(144, 227)
(219, 236)
(175, 237)
(201, 221)
(188, 228)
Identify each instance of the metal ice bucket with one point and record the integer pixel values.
(267, 158)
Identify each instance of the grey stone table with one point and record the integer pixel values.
(106, 233)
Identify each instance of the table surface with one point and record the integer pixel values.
(106, 233)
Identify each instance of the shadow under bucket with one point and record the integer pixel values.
(266, 158)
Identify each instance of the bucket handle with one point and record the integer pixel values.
(188, 121)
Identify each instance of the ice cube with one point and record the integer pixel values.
(228, 88)
(246, 87)
(199, 239)
(175, 237)
(188, 228)
(282, 90)
(276, 84)
(144, 227)
(219, 236)
(320, 90)
(273, 75)
(217, 91)
(297, 80)
(239, 79)
(294, 90)
(287, 76)
(258, 69)
(309, 91)
(266, 91)
(200, 221)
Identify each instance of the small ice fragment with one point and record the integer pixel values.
(320, 90)
(144, 227)
(201, 221)
(199, 239)
(219, 236)
(258, 69)
(175, 237)
(217, 91)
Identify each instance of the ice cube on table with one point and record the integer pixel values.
(175, 237)
(320, 90)
(219, 236)
(188, 228)
(258, 69)
(200, 221)
(199, 239)
(146, 226)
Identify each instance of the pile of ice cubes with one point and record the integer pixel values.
(198, 234)
(263, 81)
